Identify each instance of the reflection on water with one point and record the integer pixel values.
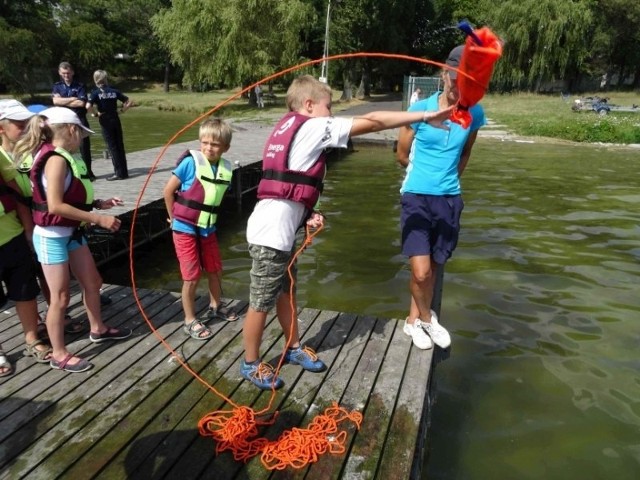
(541, 299)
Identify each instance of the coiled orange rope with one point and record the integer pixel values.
(235, 430)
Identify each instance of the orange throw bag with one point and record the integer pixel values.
(477, 62)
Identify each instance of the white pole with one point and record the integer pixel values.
(324, 72)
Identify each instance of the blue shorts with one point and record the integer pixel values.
(269, 276)
(430, 225)
(55, 250)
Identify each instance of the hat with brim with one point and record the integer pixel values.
(62, 115)
(453, 60)
(13, 110)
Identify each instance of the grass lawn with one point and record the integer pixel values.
(525, 114)
(551, 116)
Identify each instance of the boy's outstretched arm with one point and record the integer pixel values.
(383, 120)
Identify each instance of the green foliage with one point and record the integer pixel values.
(81, 39)
(23, 54)
(231, 41)
(544, 38)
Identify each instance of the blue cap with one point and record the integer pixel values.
(37, 108)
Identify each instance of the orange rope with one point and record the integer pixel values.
(234, 429)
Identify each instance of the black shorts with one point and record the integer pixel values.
(17, 271)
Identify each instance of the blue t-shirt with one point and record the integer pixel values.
(433, 163)
(74, 89)
(186, 173)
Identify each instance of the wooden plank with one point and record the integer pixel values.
(322, 335)
(350, 335)
(136, 408)
(135, 414)
(202, 451)
(69, 397)
(408, 414)
(175, 423)
(368, 444)
(356, 395)
(35, 379)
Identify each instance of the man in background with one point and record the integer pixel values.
(72, 94)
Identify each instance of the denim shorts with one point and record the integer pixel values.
(17, 271)
(55, 250)
(430, 225)
(269, 276)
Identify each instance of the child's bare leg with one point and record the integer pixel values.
(189, 299)
(84, 269)
(28, 314)
(58, 280)
(252, 334)
(288, 319)
(215, 288)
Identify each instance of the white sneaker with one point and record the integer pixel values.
(437, 332)
(416, 332)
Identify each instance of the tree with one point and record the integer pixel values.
(28, 38)
(616, 39)
(544, 40)
(373, 26)
(231, 41)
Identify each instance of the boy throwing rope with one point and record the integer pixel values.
(292, 180)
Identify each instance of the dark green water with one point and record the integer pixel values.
(541, 299)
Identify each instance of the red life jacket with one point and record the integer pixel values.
(278, 181)
(199, 204)
(79, 194)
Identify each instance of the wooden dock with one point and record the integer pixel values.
(135, 414)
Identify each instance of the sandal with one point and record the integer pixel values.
(5, 365)
(73, 326)
(111, 334)
(82, 366)
(197, 330)
(40, 356)
(70, 326)
(228, 314)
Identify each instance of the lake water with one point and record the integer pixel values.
(541, 299)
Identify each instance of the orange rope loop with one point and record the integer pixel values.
(235, 429)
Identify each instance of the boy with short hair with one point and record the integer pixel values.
(193, 196)
(293, 171)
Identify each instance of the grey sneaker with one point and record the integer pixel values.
(437, 332)
(417, 334)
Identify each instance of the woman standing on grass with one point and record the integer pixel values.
(62, 205)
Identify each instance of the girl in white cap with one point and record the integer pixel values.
(17, 267)
(62, 204)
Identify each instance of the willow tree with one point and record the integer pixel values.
(544, 39)
(230, 41)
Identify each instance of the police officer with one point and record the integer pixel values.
(73, 94)
(103, 103)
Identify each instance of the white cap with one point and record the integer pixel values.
(13, 110)
(58, 115)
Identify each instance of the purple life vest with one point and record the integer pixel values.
(278, 181)
(79, 194)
